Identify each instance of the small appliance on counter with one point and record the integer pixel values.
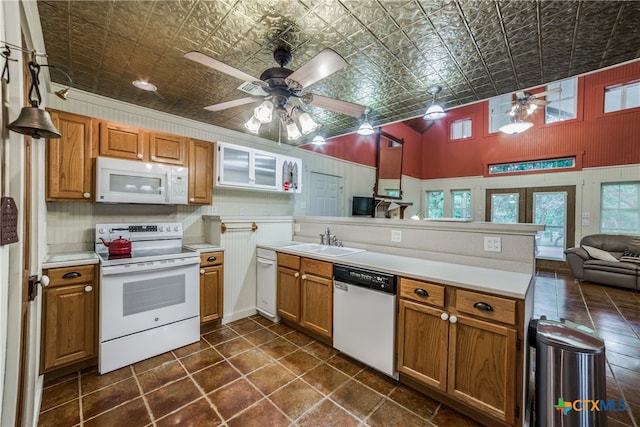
(149, 292)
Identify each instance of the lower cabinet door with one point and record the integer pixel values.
(69, 329)
(317, 304)
(482, 366)
(211, 293)
(422, 344)
(289, 294)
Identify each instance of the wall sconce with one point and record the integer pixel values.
(435, 110)
(365, 128)
(33, 121)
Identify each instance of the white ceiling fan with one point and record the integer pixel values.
(281, 90)
(526, 102)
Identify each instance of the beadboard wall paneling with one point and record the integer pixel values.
(240, 243)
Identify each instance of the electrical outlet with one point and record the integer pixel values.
(586, 222)
(214, 210)
(493, 244)
(586, 214)
(396, 235)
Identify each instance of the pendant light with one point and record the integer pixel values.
(517, 124)
(318, 140)
(435, 110)
(32, 120)
(365, 128)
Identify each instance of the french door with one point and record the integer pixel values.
(553, 207)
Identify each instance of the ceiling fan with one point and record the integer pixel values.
(527, 102)
(280, 89)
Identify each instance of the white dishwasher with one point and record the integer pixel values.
(364, 312)
(267, 275)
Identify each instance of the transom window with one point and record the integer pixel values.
(461, 129)
(535, 165)
(621, 97)
(435, 204)
(563, 104)
(619, 208)
(461, 204)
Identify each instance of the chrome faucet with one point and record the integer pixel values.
(328, 239)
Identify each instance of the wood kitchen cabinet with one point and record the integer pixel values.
(211, 286)
(305, 294)
(200, 172)
(461, 343)
(70, 159)
(132, 143)
(69, 316)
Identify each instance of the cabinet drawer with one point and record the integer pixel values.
(211, 258)
(319, 268)
(70, 275)
(409, 289)
(291, 261)
(486, 306)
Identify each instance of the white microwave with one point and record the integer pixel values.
(128, 181)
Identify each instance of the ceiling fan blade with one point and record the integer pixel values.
(203, 59)
(320, 66)
(231, 104)
(343, 107)
(520, 94)
(546, 92)
(539, 101)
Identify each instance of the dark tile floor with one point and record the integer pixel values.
(254, 373)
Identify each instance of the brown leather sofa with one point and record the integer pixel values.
(615, 273)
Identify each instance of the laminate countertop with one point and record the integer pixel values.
(69, 259)
(498, 282)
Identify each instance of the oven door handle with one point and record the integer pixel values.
(134, 268)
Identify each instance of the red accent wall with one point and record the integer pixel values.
(595, 138)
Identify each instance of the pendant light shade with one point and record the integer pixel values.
(32, 120)
(253, 125)
(365, 128)
(435, 110)
(292, 130)
(515, 127)
(307, 124)
(264, 112)
(318, 140)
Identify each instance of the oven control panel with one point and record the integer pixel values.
(142, 231)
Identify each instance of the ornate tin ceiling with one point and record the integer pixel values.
(396, 50)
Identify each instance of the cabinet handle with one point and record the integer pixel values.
(88, 288)
(444, 316)
(483, 306)
(202, 271)
(212, 258)
(86, 195)
(453, 319)
(44, 281)
(421, 292)
(304, 277)
(296, 274)
(71, 275)
(139, 155)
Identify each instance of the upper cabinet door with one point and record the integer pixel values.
(70, 159)
(167, 148)
(200, 172)
(124, 142)
(234, 166)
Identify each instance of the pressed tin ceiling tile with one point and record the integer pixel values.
(396, 49)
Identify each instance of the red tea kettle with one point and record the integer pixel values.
(118, 246)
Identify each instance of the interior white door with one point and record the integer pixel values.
(324, 195)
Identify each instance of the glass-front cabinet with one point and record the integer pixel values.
(249, 168)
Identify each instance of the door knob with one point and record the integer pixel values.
(86, 195)
(139, 155)
(304, 277)
(88, 288)
(44, 281)
(202, 271)
(296, 274)
(444, 316)
(453, 319)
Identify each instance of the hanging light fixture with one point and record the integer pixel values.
(32, 120)
(263, 112)
(318, 140)
(292, 130)
(516, 124)
(307, 124)
(253, 125)
(365, 128)
(435, 110)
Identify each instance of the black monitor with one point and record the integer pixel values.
(362, 206)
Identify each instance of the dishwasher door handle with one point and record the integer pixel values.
(261, 261)
(341, 286)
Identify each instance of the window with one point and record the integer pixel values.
(563, 104)
(621, 97)
(499, 108)
(435, 204)
(535, 165)
(461, 129)
(461, 204)
(619, 208)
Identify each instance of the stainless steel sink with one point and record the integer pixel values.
(330, 251)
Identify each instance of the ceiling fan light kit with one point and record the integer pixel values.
(144, 85)
(435, 110)
(281, 91)
(515, 127)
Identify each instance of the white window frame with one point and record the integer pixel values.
(461, 129)
(499, 107)
(565, 101)
(619, 212)
(466, 196)
(621, 97)
(427, 204)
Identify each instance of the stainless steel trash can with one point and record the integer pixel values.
(570, 375)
